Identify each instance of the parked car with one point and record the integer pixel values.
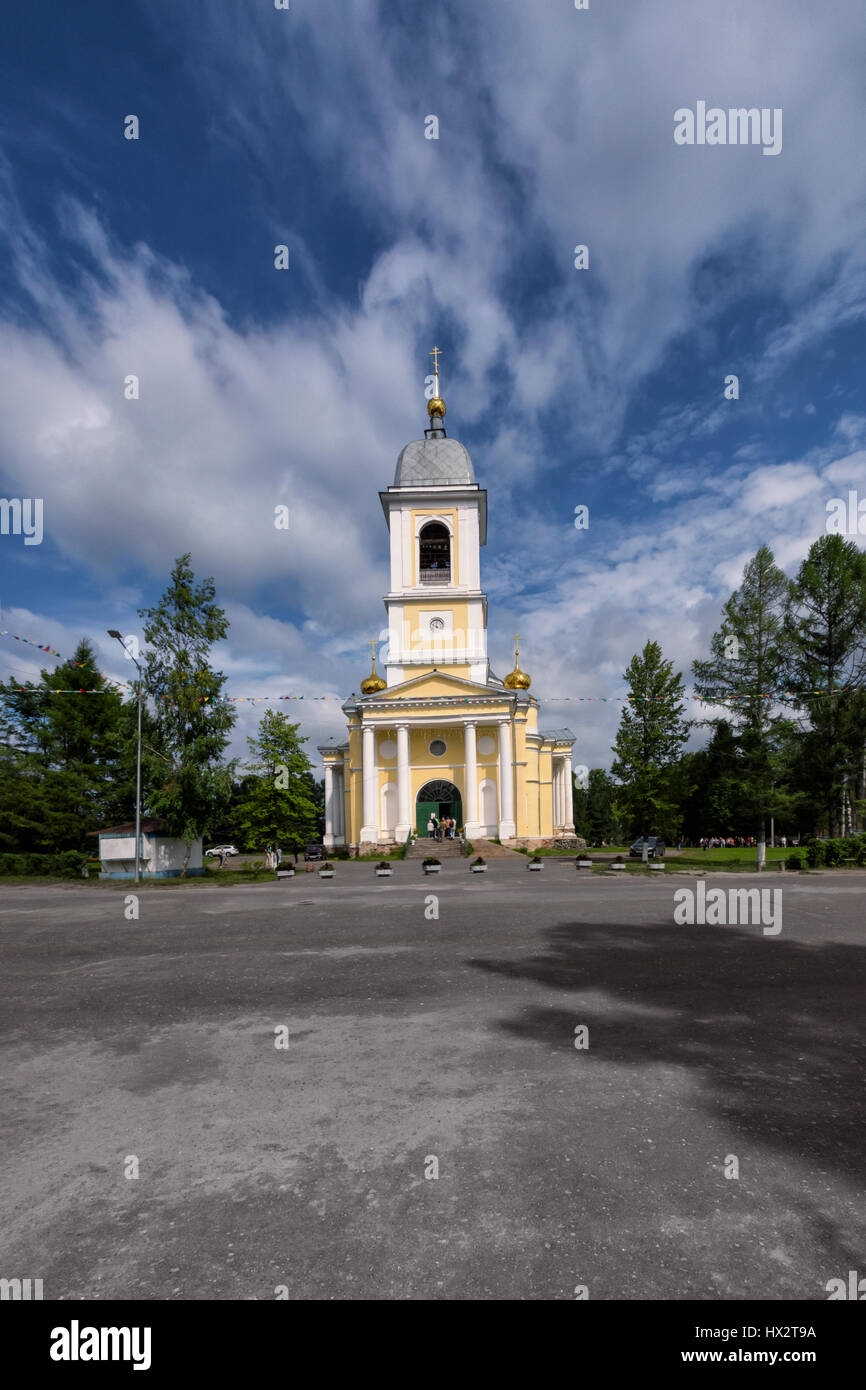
(315, 852)
(221, 849)
(655, 847)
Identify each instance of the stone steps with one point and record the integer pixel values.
(435, 849)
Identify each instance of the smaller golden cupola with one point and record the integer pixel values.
(517, 679)
(374, 682)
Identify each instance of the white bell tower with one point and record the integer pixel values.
(437, 518)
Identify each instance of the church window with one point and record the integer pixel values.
(438, 747)
(434, 557)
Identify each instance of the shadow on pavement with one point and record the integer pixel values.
(773, 1029)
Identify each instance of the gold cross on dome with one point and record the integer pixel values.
(435, 355)
(373, 647)
(516, 640)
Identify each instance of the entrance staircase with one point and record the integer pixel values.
(435, 849)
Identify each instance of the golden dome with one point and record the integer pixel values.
(436, 406)
(373, 683)
(517, 679)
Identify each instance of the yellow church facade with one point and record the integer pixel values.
(440, 732)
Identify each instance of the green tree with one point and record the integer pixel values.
(279, 804)
(749, 658)
(651, 733)
(827, 628)
(192, 721)
(65, 769)
(602, 825)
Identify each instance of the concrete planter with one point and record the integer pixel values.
(535, 868)
(616, 866)
(384, 873)
(478, 868)
(285, 873)
(432, 868)
(654, 864)
(326, 873)
(584, 864)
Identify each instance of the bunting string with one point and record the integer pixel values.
(430, 702)
(82, 665)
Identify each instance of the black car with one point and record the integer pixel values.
(315, 852)
(655, 847)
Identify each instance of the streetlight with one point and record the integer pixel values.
(112, 632)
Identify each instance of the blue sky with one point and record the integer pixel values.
(260, 387)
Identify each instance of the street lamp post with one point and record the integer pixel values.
(112, 632)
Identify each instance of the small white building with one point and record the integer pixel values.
(162, 855)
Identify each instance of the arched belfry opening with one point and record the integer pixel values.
(434, 554)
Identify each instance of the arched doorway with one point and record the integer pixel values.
(441, 798)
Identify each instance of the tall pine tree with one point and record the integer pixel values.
(651, 733)
(827, 626)
(65, 767)
(279, 804)
(193, 722)
(746, 671)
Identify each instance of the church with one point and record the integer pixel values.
(440, 732)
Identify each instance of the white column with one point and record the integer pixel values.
(470, 809)
(568, 786)
(557, 794)
(329, 807)
(507, 828)
(404, 785)
(340, 806)
(370, 776)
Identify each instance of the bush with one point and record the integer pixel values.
(833, 853)
(816, 854)
(70, 862)
(794, 861)
(67, 864)
(430, 860)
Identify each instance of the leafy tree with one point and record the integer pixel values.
(827, 628)
(748, 662)
(651, 733)
(279, 804)
(192, 721)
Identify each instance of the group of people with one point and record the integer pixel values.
(741, 842)
(444, 829)
(273, 856)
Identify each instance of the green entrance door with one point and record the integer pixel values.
(440, 799)
(424, 810)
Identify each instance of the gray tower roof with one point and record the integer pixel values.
(436, 459)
